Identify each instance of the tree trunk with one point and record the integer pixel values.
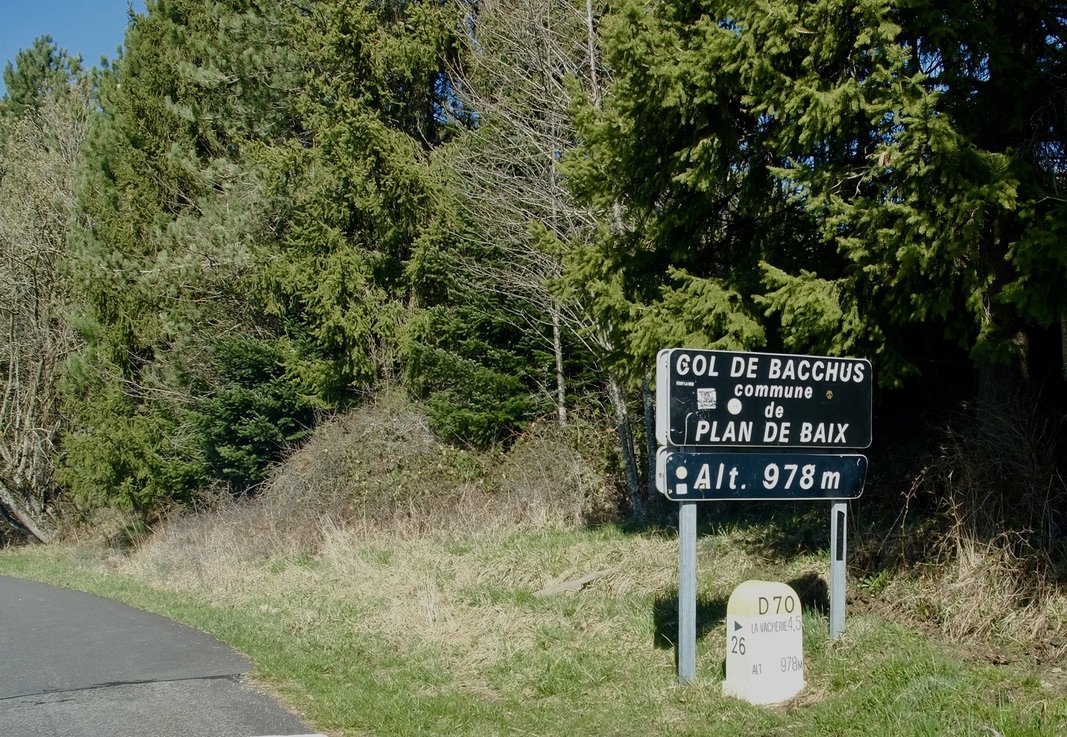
(655, 502)
(12, 504)
(557, 348)
(594, 82)
(1063, 348)
(626, 445)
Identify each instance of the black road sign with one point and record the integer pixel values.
(690, 475)
(728, 399)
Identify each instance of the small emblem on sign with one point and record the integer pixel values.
(707, 398)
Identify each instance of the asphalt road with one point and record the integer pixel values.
(76, 665)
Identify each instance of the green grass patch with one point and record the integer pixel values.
(449, 637)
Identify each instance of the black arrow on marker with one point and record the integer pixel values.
(737, 626)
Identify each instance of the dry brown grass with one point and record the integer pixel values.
(984, 563)
(466, 596)
(375, 476)
(988, 600)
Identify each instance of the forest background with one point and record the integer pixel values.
(265, 214)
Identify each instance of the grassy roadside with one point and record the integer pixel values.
(377, 634)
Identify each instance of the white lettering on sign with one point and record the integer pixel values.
(730, 431)
(764, 643)
(774, 391)
(776, 432)
(699, 365)
(744, 367)
(724, 477)
(816, 369)
(823, 432)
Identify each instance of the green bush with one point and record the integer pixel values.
(480, 376)
(254, 412)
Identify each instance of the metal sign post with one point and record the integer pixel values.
(838, 528)
(687, 592)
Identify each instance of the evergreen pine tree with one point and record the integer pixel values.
(831, 177)
(178, 212)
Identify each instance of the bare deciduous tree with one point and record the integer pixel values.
(525, 60)
(38, 165)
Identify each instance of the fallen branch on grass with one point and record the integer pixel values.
(574, 584)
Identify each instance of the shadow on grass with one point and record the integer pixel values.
(786, 529)
(813, 592)
(710, 614)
